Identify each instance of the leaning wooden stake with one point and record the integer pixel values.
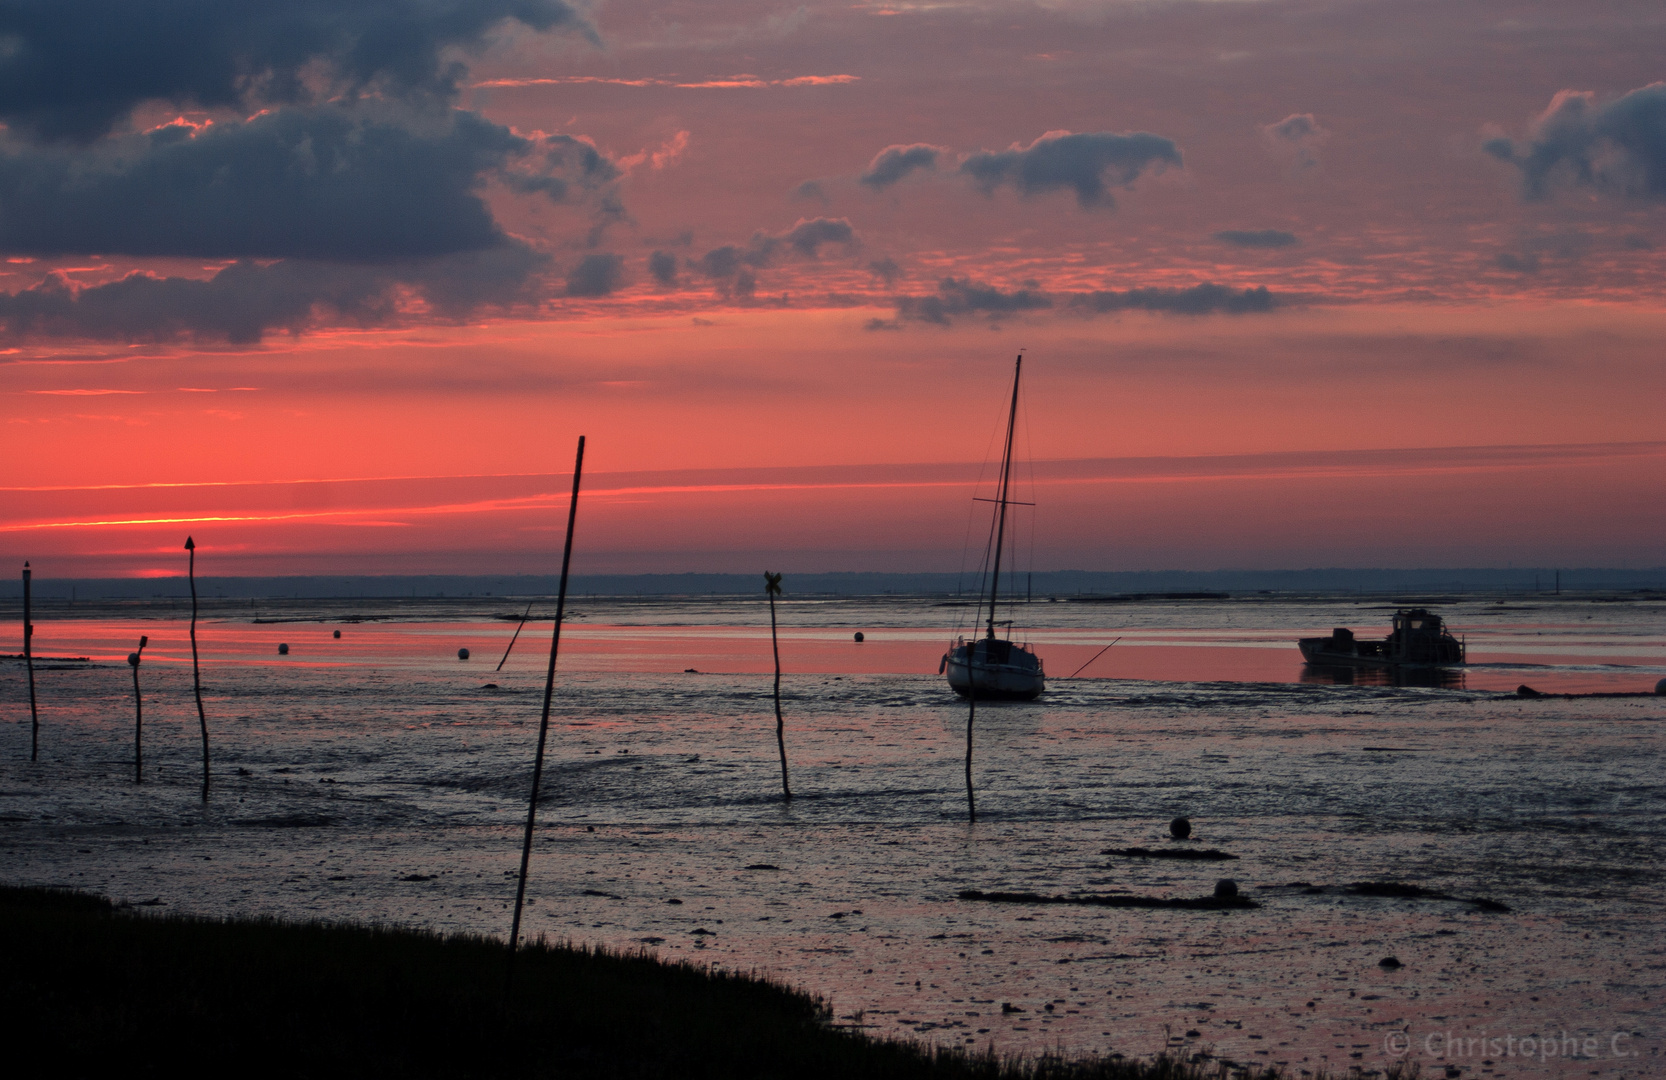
(517, 636)
(29, 662)
(196, 670)
(544, 722)
(772, 586)
(133, 659)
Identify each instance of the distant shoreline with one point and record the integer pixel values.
(1060, 583)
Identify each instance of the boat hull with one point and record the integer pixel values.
(995, 670)
(1420, 639)
(1319, 651)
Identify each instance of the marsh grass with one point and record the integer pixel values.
(103, 990)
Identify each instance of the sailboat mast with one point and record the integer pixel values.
(1006, 481)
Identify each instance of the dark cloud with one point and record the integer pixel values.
(456, 286)
(559, 163)
(722, 262)
(354, 172)
(1206, 299)
(663, 266)
(1257, 238)
(1618, 146)
(811, 189)
(1524, 263)
(326, 183)
(74, 69)
(732, 267)
(246, 300)
(885, 269)
(959, 296)
(1297, 135)
(609, 210)
(596, 275)
(1084, 163)
(895, 162)
(807, 237)
(956, 297)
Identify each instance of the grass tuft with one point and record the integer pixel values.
(108, 991)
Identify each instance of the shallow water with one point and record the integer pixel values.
(376, 777)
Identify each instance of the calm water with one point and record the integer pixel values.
(379, 777)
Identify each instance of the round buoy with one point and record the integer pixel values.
(1226, 889)
(859, 635)
(338, 633)
(283, 650)
(462, 654)
(1660, 687)
(133, 659)
(1180, 828)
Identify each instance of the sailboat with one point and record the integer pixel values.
(991, 666)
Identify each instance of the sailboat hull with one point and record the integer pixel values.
(998, 670)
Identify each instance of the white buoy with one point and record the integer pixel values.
(283, 650)
(462, 654)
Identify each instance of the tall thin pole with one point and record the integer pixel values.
(971, 715)
(1006, 481)
(133, 659)
(772, 586)
(544, 723)
(524, 616)
(29, 662)
(196, 669)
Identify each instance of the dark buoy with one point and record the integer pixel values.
(283, 650)
(338, 633)
(133, 659)
(462, 654)
(1226, 889)
(1180, 828)
(859, 635)
(1390, 963)
(1660, 687)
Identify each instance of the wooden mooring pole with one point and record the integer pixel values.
(29, 662)
(133, 659)
(196, 668)
(544, 721)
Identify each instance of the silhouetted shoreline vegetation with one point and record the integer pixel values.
(105, 989)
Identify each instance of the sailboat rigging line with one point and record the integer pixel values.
(512, 640)
(1029, 463)
(1006, 482)
(983, 565)
(966, 545)
(1092, 658)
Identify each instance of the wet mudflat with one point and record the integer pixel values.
(375, 777)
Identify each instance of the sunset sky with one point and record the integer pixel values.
(335, 285)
